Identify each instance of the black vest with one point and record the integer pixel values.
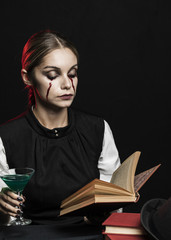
(64, 159)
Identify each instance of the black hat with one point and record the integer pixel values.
(156, 218)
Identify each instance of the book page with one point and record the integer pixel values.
(113, 202)
(124, 175)
(141, 178)
(98, 188)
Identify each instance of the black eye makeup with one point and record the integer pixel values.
(51, 75)
(56, 72)
(73, 73)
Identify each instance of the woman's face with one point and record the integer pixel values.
(55, 79)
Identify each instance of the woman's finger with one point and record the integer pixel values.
(7, 208)
(12, 194)
(11, 199)
(10, 202)
(7, 212)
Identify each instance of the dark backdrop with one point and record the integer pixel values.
(125, 50)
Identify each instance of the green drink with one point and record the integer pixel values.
(16, 179)
(16, 182)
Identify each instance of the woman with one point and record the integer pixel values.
(66, 148)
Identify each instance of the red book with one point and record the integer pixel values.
(125, 237)
(123, 224)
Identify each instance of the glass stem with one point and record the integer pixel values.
(19, 215)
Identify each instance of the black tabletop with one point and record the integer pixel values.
(48, 232)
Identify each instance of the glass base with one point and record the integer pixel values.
(20, 222)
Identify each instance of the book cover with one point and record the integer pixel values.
(123, 219)
(124, 223)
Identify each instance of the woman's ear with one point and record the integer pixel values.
(25, 77)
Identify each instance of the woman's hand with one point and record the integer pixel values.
(10, 202)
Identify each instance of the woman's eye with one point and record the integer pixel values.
(51, 77)
(72, 75)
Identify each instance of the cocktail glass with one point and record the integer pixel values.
(16, 179)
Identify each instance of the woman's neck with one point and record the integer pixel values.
(51, 119)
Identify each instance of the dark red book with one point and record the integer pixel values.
(123, 224)
(125, 237)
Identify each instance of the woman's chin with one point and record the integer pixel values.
(61, 106)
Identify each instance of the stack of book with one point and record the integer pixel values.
(125, 226)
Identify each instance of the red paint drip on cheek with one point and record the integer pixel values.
(72, 84)
(50, 85)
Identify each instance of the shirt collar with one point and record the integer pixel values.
(51, 133)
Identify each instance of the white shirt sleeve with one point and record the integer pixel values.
(109, 159)
(3, 164)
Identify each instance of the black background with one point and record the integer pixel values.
(124, 74)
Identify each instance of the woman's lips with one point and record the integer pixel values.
(66, 96)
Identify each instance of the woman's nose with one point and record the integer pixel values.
(66, 83)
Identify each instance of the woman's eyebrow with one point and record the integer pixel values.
(76, 65)
(56, 68)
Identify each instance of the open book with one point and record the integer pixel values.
(101, 196)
